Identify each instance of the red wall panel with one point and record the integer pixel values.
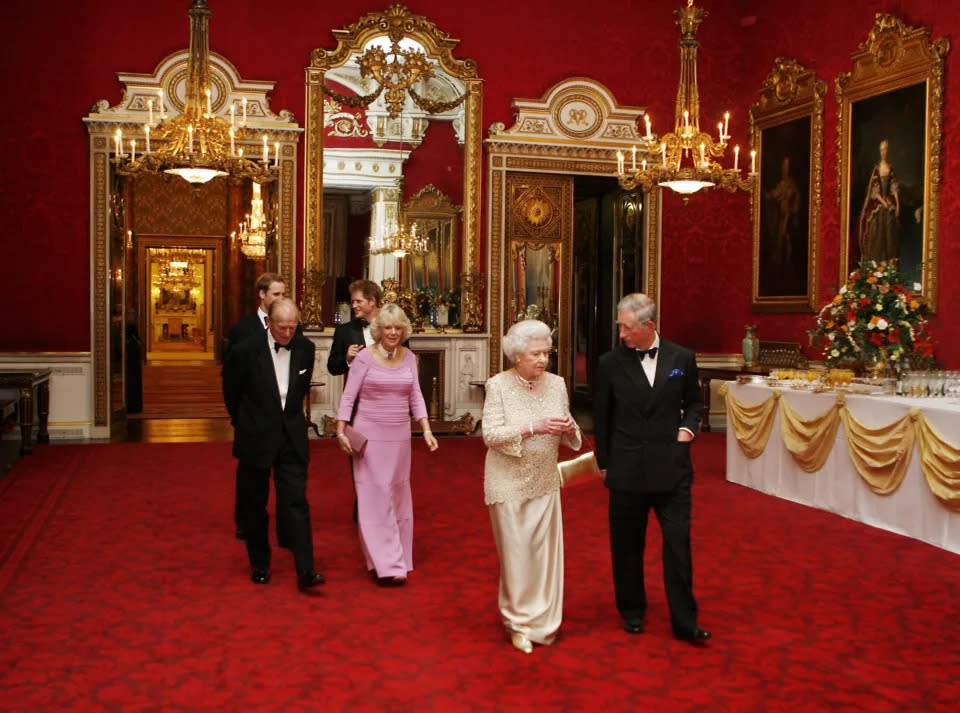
(62, 56)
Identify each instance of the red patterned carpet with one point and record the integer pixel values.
(123, 589)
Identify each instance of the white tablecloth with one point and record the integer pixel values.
(910, 510)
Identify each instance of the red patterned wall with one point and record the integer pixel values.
(63, 56)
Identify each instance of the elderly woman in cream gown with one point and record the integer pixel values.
(526, 416)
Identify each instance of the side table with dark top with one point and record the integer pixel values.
(708, 374)
(34, 387)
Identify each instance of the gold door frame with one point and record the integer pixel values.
(574, 129)
(400, 22)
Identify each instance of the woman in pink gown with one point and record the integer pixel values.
(384, 384)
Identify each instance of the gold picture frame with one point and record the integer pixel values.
(787, 134)
(890, 107)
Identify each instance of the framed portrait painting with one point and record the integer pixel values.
(787, 134)
(889, 142)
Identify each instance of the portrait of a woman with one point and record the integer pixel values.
(879, 225)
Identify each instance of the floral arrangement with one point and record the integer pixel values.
(874, 320)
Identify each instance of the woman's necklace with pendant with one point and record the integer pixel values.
(528, 384)
(384, 353)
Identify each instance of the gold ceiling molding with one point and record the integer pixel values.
(396, 23)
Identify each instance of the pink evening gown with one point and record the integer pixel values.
(386, 397)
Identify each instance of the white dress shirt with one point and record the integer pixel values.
(263, 317)
(281, 368)
(650, 365)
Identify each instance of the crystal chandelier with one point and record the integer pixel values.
(402, 242)
(175, 272)
(683, 160)
(197, 145)
(254, 230)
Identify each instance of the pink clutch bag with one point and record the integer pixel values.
(356, 439)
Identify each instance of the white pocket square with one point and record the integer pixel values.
(302, 372)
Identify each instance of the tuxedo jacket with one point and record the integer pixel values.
(636, 424)
(343, 337)
(249, 326)
(260, 424)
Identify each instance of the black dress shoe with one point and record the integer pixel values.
(391, 581)
(697, 636)
(633, 626)
(260, 576)
(309, 579)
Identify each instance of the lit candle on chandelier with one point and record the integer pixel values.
(276, 153)
(146, 130)
(753, 162)
(163, 109)
(736, 156)
(620, 163)
(133, 149)
(190, 135)
(633, 158)
(232, 134)
(646, 119)
(266, 150)
(643, 165)
(663, 150)
(209, 110)
(703, 154)
(726, 125)
(233, 117)
(150, 111)
(720, 131)
(117, 145)
(686, 122)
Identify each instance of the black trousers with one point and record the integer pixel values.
(628, 514)
(293, 510)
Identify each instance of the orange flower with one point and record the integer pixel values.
(871, 279)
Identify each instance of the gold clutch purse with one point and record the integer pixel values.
(581, 469)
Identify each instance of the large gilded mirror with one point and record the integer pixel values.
(393, 142)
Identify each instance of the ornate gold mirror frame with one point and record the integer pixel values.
(398, 23)
(786, 128)
(894, 97)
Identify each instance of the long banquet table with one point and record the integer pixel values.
(910, 510)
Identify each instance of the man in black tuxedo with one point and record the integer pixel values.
(270, 287)
(647, 411)
(350, 338)
(265, 380)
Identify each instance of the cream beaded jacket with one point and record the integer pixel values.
(519, 468)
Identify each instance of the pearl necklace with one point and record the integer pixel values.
(384, 353)
(528, 384)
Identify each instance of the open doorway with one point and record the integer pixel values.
(608, 250)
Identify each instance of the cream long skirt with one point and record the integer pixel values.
(529, 537)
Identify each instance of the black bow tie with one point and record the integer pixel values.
(641, 353)
(277, 346)
(363, 322)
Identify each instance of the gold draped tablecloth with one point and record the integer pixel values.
(880, 455)
(880, 435)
